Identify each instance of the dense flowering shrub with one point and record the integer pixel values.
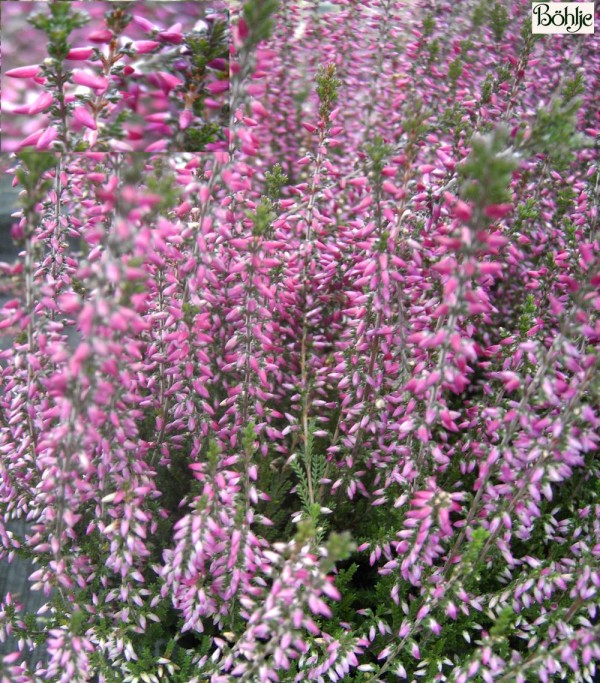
(118, 76)
(322, 406)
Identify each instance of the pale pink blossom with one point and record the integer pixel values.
(84, 117)
(24, 72)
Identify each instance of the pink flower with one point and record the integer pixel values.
(185, 119)
(89, 80)
(218, 87)
(30, 140)
(242, 30)
(497, 211)
(12, 657)
(219, 64)
(158, 146)
(172, 35)
(462, 211)
(435, 502)
(120, 146)
(24, 72)
(101, 36)
(144, 46)
(42, 103)
(80, 53)
(144, 23)
(84, 117)
(69, 302)
(47, 138)
(168, 81)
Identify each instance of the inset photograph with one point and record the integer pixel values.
(115, 76)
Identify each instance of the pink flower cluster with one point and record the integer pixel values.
(136, 87)
(323, 406)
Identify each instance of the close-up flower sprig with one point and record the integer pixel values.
(122, 76)
(299, 378)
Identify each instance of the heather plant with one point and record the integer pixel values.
(116, 76)
(322, 405)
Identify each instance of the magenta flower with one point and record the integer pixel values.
(90, 81)
(43, 102)
(436, 503)
(24, 72)
(167, 81)
(30, 140)
(236, 381)
(84, 117)
(498, 211)
(185, 119)
(145, 23)
(80, 53)
(101, 36)
(47, 137)
(132, 85)
(172, 35)
(218, 87)
(144, 46)
(462, 211)
(158, 146)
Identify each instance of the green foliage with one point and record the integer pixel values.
(344, 610)
(81, 146)
(466, 46)
(470, 558)
(277, 485)
(571, 232)
(327, 90)
(162, 183)
(565, 200)
(499, 21)
(198, 104)
(208, 46)
(339, 547)
(118, 19)
(492, 85)
(114, 129)
(573, 87)
(377, 152)
(433, 48)
(416, 116)
(258, 15)
(275, 180)
(205, 47)
(264, 213)
(528, 211)
(453, 119)
(504, 623)
(195, 139)
(478, 15)
(554, 132)
(78, 621)
(309, 472)
(263, 216)
(58, 24)
(249, 439)
(454, 71)
(33, 165)
(487, 172)
(428, 24)
(528, 313)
